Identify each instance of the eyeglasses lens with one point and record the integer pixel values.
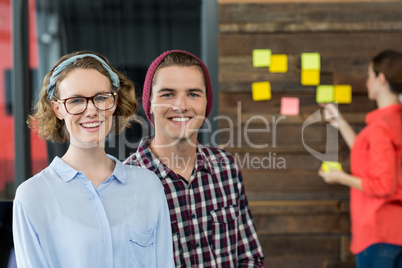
(79, 104)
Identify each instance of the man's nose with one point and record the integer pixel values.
(181, 103)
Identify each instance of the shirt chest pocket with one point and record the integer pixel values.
(224, 230)
(225, 215)
(141, 247)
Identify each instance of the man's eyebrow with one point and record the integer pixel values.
(162, 90)
(195, 90)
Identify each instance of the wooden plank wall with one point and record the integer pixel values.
(301, 221)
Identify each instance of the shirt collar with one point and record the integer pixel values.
(378, 113)
(119, 171)
(203, 161)
(147, 159)
(67, 173)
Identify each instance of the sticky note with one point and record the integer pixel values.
(290, 106)
(310, 77)
(325, 93)
(261, 57)
(327, 165)
(343, 93)
(279, 63)
(261, 91)
(310, 61)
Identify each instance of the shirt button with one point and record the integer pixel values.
(197, 245)
(193, 216)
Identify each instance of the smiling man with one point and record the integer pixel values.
(211, 221)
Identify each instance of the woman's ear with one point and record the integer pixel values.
(116, 101)
(56, 110)
(382, 78)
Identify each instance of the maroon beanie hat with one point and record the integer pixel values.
(146, 93)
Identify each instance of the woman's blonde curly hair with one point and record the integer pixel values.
(45, 122)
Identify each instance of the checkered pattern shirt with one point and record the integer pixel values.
(211, 221)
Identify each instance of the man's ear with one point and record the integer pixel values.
(151, 107)
(56, 110)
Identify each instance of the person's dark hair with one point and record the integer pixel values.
(389, 63)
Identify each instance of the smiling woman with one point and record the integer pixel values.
(88, 124)
(47, 123)
(87, 202)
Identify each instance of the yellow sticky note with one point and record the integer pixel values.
(311, 61)
(325, 93)
(327, 165)
(261, 57)
(279, 63)
(261, 91)
(310, 77)
(343, 93)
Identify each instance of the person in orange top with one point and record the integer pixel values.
(376, 167)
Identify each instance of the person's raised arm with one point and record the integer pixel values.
(334, 117)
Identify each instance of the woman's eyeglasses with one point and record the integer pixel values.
(77, 105)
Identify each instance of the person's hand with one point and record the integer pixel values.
(332, 176)
(332, 114)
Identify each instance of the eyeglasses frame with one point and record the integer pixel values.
(114, 94)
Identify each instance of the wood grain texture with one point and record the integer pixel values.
(295, 207)
(237, 73)
(223, 2)
(308, 105)
(237, 44)
(301, 221)
(303, 224)
(322, 16)
(295, 181)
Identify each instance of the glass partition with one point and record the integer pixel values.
(38, 147)
(129, 33)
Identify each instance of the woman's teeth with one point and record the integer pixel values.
(91, 124)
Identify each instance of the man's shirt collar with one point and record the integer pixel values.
(147, 159)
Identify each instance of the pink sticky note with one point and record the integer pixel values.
(290, 106)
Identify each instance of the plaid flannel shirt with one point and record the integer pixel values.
(211, 220)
